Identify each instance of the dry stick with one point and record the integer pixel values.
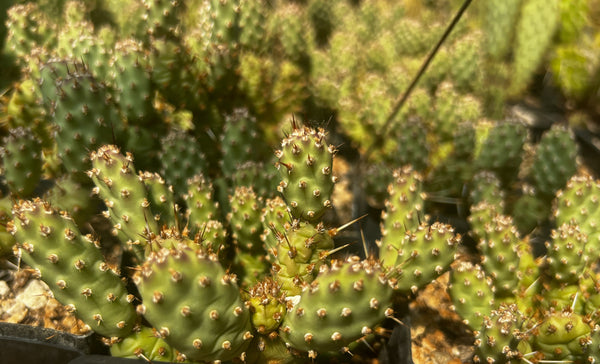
(402, 101)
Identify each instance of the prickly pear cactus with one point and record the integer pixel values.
(200, 204)
(423, 255)
(499, 249)
(578, 203)
(193, 303)
(275, 218)
(86, 117)
(564, 335)
(301, 249)
(146, 344)
(305, 165)
(536, 26)
(567, 257)
(344, 303)
(501, 151)
(22, 161)
(499, 18)
(403, 210)
(472, 293)
(125, 196)
(555, 160)
(502, 338)
(181, 158)
(411, 145)
(72, 265)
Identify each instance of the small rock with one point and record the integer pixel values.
(4, 289)
(35, 295)
(16, 313)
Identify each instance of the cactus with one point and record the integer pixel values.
(73, 266)
(404, 208)
(411, 145)
(181, 158)
(301, 249)
(566, 257)
(564, 336)
(578, 203)
(193, 302)
(28, 28)
(145, 344)
(22, 160)
(343, 303)
(555, 161)
(422, 256)
(501, 151)
(86, 118)
(201, 207)
(535, 28)
(197, 91)
(124, 193)
(305, 165)
(502, 337)
(466, 279)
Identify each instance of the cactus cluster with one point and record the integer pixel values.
(151, 175)
(210, 293)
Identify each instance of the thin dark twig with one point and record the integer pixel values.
(421, 71)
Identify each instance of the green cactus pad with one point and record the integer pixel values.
(72, 265)
(301, 249)
(472, 293)
(200, 204)
(564, 336)
(566, 258)
(125, 196)
(245, 219)
(181, 158)
(146, 344)
(193, 303)
(555, 161)
(578, 203)
(502, 338)
(404, 209)
(86, 117)
(268, 306)
(500, 257)
(22, 161)
(305, 165)
(344, 303)
(423, 255)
